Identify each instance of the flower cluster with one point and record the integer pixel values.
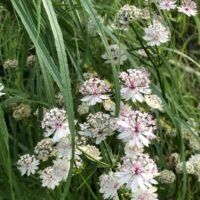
(94, 91)
(118, 54)
(136, 128)
(55, 123)
(58, 148)
(156, 34)
(137, 172)
(135, 83)
(98, 126)
(187, 7)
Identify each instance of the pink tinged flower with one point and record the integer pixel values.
(145, 194)
(188, 7)
(55, 123)
(167, 4)
(136, 129)
(108, 186)
(135, 83)
(156, 34)
(137, 172)
(94, 91)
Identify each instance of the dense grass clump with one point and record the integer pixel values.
(99, 100)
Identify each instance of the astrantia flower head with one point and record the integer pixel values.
(27, 164)
(98, 126)
(108, 185)
(44, 149)
(136, 128)
(135, 83)
(10, 64)
(126, 15)
(49, 178)
(188, 7)
(61, 168)
(167, 176)
(156, 34)
(55, 122)
(22, 111)
(167, 4)
(145, 194)
(95, 91)
(154, 102)
(137, 172)
(91, 152)
(118, 54)
(63, 149)
(1, 89)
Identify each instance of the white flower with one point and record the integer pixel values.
(188, 165)
(126, 15)
(108, 185)
(63, 148)
(195, 161)
(55, 123)
(135, 83)
(188, 7)
(1, 89)
(167, 176)
(91, 152)
(109, 105)
(61, 168)
(145, 194)
(83, 109)
(44, 149)
(137, 172)
(167, 4)
(137, 129)
(156, 34)
(118, 54)
(10, 64)
(48, 178)
(95, 91)
(60, 99)
(98, 126)
(27, 164)
(154, 102)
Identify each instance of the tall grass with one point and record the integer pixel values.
(56, 32)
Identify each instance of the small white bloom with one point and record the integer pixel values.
(27, 164)
(145, 194)
(91, 152)
(154, 102)
(83, 109)
(98, 126)
(55, 123)
(136, 128)
(118, 54)
(48, 178)
(63, 148)
(167, 176)
(1, 89)
(94, 91)
(135, 83)
(188, 7)
(109, 105)
(136, 172)
(167, 4)
(156, 34)
(108, 185)
(188, 165)
(44, 149)
(61, 168)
